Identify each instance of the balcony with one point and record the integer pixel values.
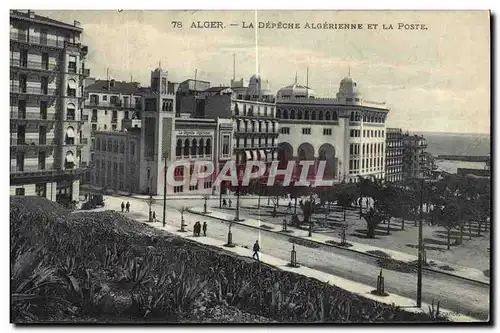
(42, 41)
(31, 142)
(32, 65)
(16, 89)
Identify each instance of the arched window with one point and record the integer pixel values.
(200, 147)
(328, 115)
(122, 147)
(320, 115)
(292, 114)
(193, 147)
(246, 126)
(253, 126)
(306, 115)
(267, 126)
(236, 109)
(278, 113)
(299, 114)
(178, 148)
(186, 147)
(238, 123)
(208, 147)
(110, 145)
(285, 114)
(313, 115)
(260, 126)
(335, 116)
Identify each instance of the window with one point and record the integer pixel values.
(327, 131)
(21, 134)
(94, 99)
(45, 60)
(193, 188)
(178, 148)
(72, 64)
(21, 109)
(44, 84)
(104, 97)
(41, 189)
(193, 147)
(22, 83)
(24, 58)
(70, 114)
(43, 109)
(115, 146)
(207, 184)
(225, 145)
(114, 100)
(285, 130)
(208, 147)
(41, 160)
(122, 147)
(178, 189)
(306, 131)
(114, 116)
(42, 135)
(20, 191)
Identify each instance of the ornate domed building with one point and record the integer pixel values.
(347, 131)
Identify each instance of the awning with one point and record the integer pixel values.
(70, 133)
(262, 156)
(72, 84)
(70, 158)
(248, 154)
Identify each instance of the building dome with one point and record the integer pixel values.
(349, 90)
(258, 87)
(296, 91)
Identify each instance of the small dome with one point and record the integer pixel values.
(258, 86)
(295, 90)
(348, 90)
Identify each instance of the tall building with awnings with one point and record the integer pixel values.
(46, 94)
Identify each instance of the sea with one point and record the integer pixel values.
(439, 143)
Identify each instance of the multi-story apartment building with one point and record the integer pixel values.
(46, 94)
(107, 104)
(415, 159)
(255, 125)
(394, 155)
(347, 132)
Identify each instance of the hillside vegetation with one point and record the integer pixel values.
(103, 267)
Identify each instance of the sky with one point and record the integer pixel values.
(436, 79)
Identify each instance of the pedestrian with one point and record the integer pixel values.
(195, 226)
(230, 203)
(224, 203)
(123, 206)
(198, 230)
(205, 229)
(86, 195)
(154, 216)
(256, 249)
(289, 205)
(128, 206)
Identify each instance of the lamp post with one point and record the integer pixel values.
(420, 246)
(150, 200)
(165, 155)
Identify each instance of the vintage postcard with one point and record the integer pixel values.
(250, 166)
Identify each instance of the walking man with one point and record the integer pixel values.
(154, 216)
(230, 203)
(123, 206)
(205, 229)
(128, 207)
(224, 204)
(256, 249)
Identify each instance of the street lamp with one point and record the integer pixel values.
(165, 156)
(420, 242)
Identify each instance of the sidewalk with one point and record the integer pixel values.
(460, 271)
(354, 287)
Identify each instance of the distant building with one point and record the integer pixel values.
(415, 163)
(394, 155)
(47, 68)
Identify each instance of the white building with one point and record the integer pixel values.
(347, 131)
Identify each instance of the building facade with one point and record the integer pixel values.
(394, 155)
(415, 163)
(347, 132)
(107, 104)
(47, 68)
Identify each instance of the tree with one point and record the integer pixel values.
(447, 216)
(347, 194)
(275, 192)
(308, 208)
(373, 218)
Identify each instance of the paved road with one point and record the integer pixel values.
(458, 295)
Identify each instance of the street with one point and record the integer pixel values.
(455, 294)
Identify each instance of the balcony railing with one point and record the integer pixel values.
(23, 38)
(31, 141)
(32, 90)
(38, 65)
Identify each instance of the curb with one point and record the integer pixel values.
(339, 247)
